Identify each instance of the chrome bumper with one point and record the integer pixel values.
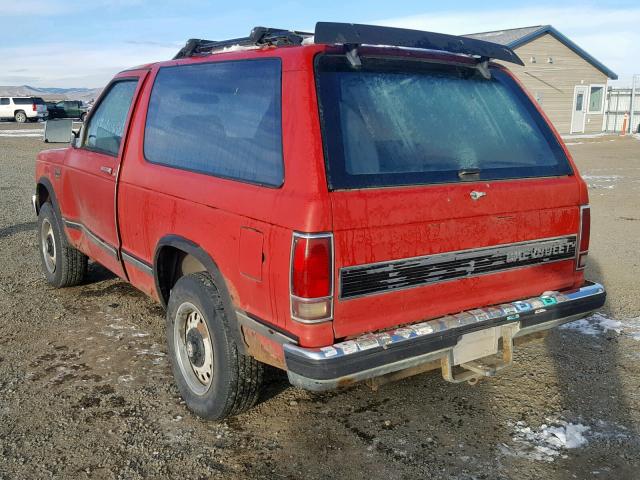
(441, 339)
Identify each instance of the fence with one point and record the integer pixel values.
(621, 101)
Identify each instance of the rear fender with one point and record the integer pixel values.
(205, 259)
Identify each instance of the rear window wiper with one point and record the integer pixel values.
(469, 174)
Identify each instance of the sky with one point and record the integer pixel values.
(83, 43)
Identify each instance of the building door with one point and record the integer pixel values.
(579, 108)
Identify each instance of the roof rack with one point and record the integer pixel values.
(352, 35)
(259, 36)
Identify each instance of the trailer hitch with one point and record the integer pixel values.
(461, 364)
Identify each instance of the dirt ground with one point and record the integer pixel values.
(86, 390)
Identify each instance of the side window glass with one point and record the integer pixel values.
(4, 101)
(105, 130)
(221, 119)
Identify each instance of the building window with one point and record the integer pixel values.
(596, 99)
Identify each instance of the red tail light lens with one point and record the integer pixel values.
(585, 227)
(311, 267)
(35, 107)
(585, 233)
(311, 277)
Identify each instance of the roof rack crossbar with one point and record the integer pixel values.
(258, 36)
(353, 35)
(357, 34)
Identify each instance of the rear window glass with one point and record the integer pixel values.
(398, 122)
(38, 101)
(222, 119)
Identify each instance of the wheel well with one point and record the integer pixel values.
(42, 195)
(171, 264)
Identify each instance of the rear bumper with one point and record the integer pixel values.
(374, 355)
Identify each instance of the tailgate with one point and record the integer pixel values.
(418, 253)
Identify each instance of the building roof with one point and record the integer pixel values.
(516, 37)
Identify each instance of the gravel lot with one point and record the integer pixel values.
(86, 390)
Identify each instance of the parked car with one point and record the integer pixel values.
(67, 109)
(22, 109)
(340, 211)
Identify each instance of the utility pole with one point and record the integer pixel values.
(632, 120)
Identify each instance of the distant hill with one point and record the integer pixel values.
(51, 94)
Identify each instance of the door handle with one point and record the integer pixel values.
(107, 170)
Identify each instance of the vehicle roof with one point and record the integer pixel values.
(300, 52)
(346, 37)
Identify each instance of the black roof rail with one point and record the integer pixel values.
(356, 34)
(259, 36)
(352, 35)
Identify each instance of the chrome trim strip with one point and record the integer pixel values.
(389, 264)
(97, 240)
(509, 312)
(246, 321)
(136, 262)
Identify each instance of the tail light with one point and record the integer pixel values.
(583, 236)
(35, 107)
(312, 277)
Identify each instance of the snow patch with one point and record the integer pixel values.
(598, 323)
(601, 181)
(547, 442)
(239, 48)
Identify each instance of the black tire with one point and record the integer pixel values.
(69, 265)
(20, 116)
(236, 379)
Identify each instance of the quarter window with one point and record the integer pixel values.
(221, 119)
(106, 127)
(4, 101)
(596, 99)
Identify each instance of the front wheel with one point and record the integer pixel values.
(63, 265)
(213, 377)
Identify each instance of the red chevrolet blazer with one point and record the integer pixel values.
(361, 203)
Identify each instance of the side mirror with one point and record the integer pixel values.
(75, 139)
(57, 130)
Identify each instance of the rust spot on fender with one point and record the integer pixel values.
(263, 349)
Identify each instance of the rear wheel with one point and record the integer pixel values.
(63, 265)
(213, 377)
(20, 116)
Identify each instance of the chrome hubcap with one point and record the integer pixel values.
(193, 348)
(48, 243)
